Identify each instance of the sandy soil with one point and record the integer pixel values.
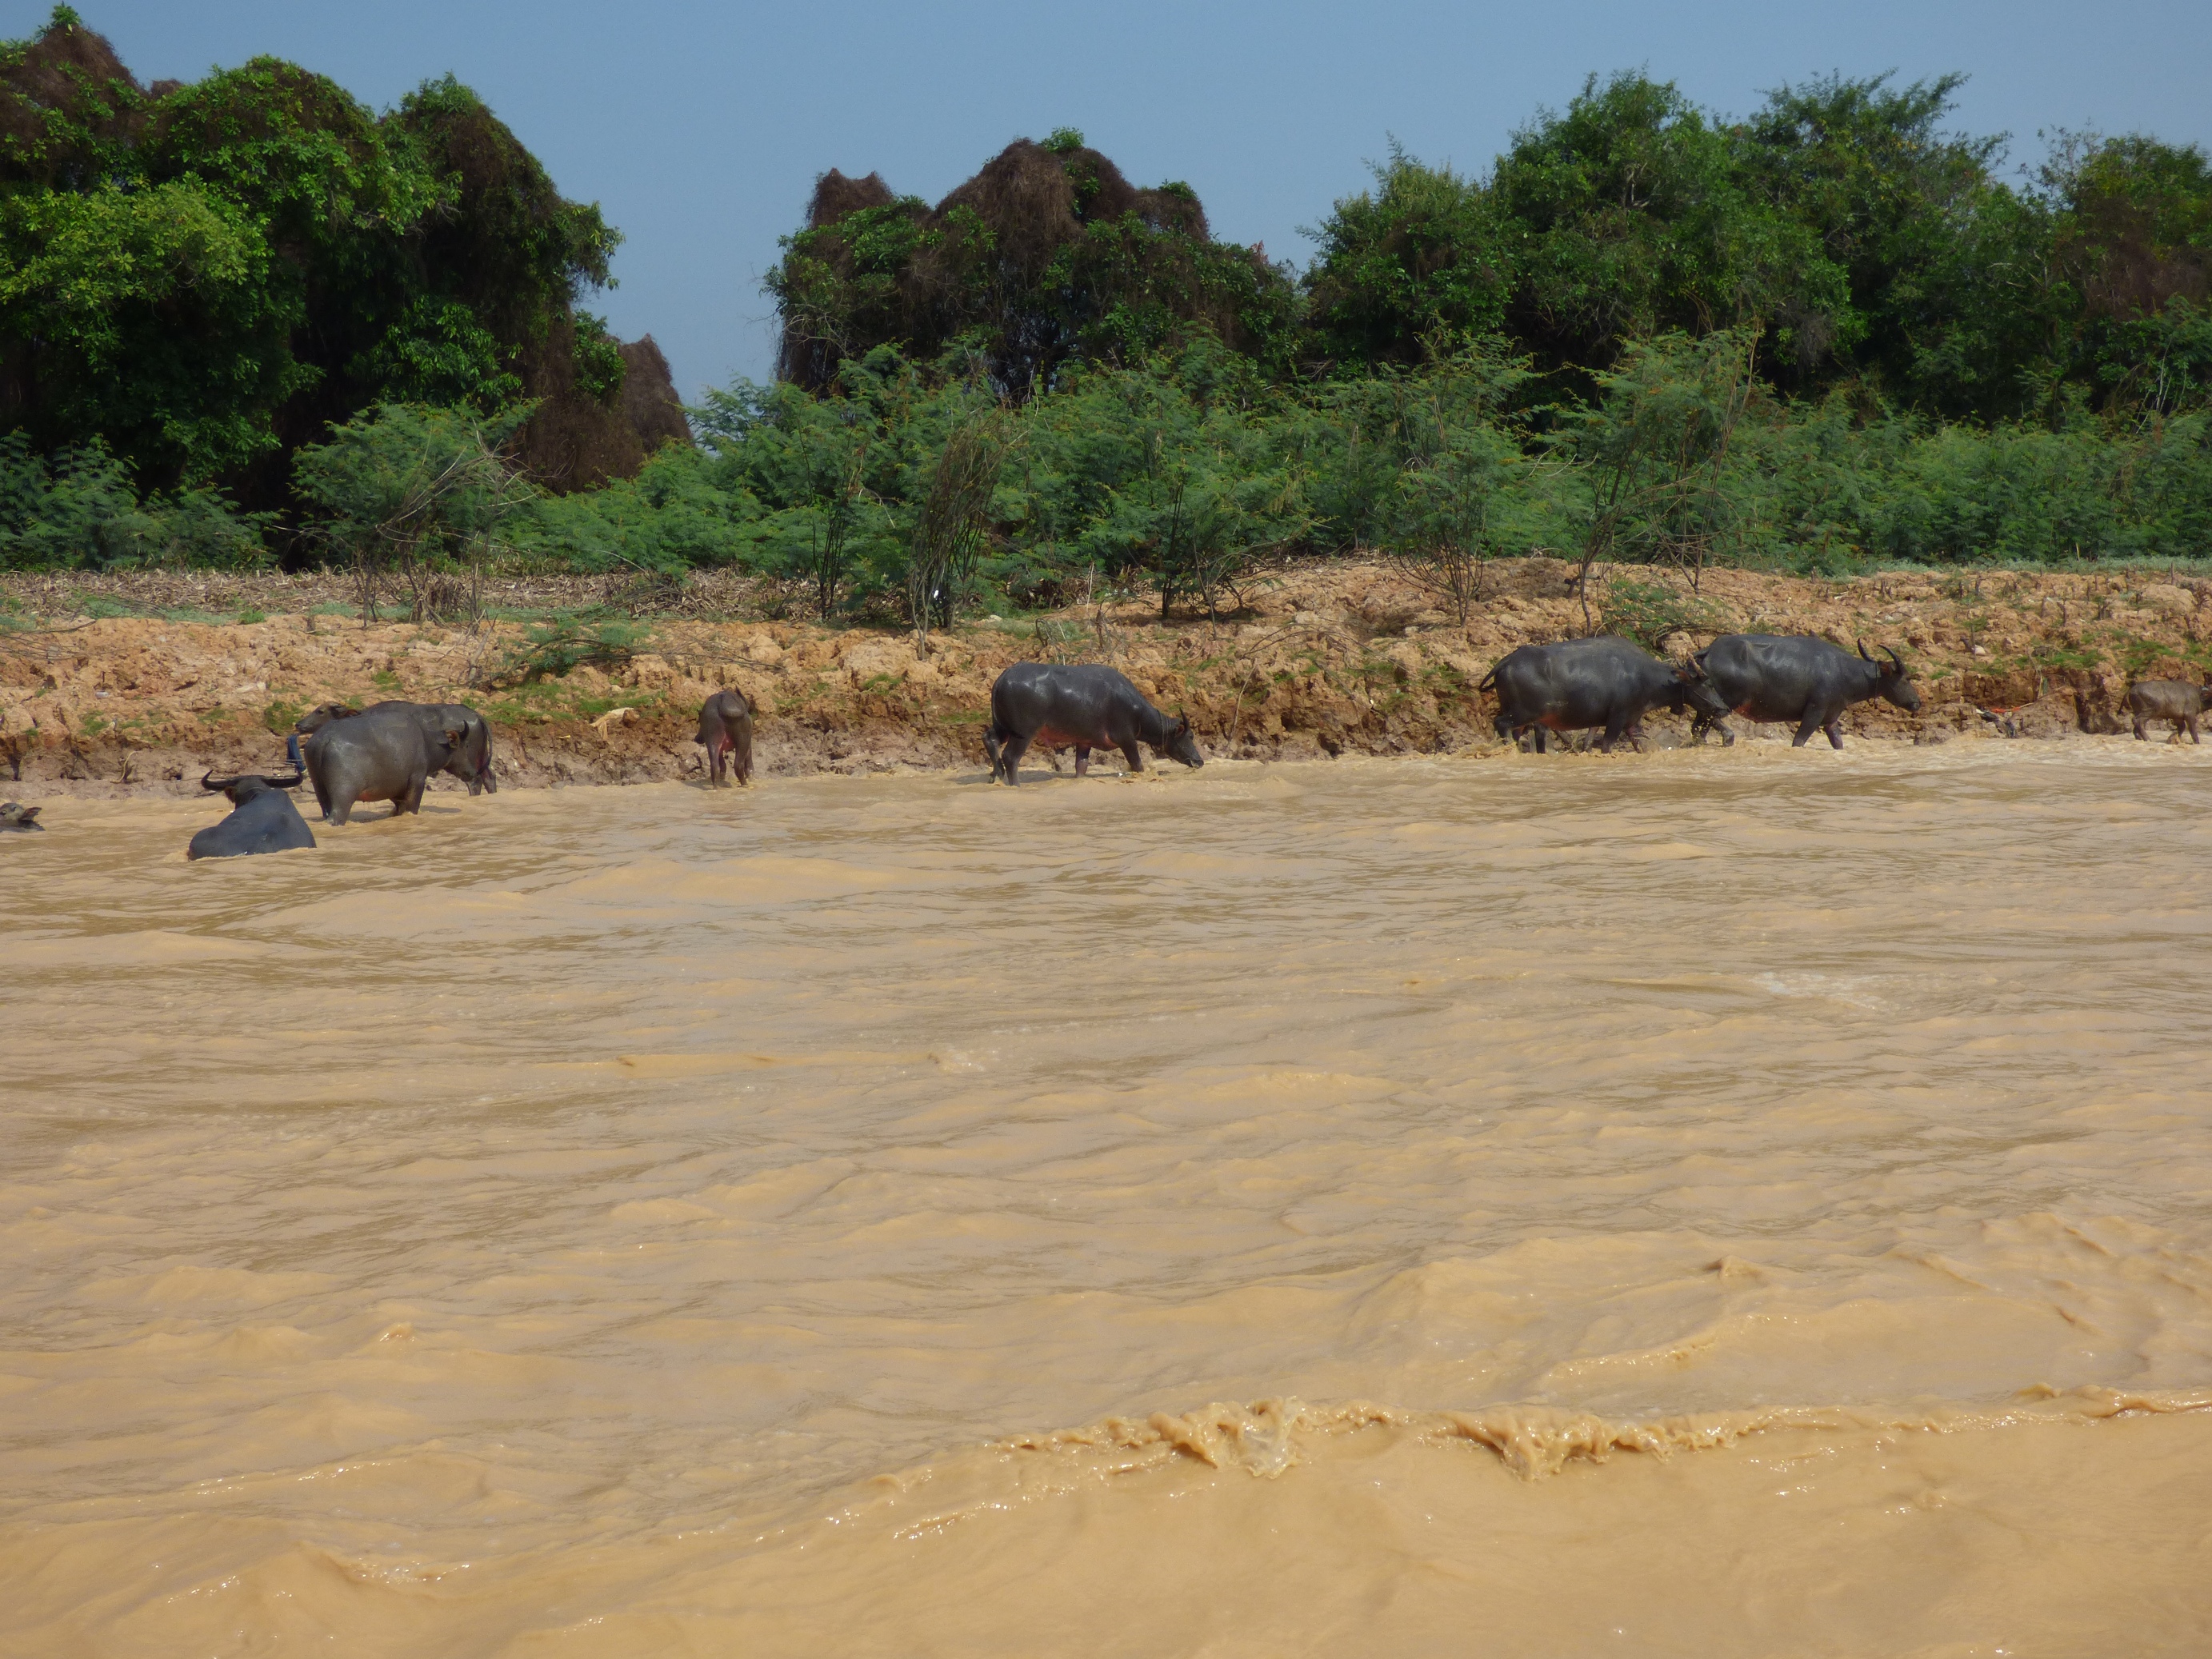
(1348, 656)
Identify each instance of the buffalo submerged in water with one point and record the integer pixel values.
(1794, 677)
(1084, 704)
(1577, 684)
(262, 819)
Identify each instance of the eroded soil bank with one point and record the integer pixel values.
(1346, 657)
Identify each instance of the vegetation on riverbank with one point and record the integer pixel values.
(246, 319)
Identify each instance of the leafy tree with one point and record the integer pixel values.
(1634, 218)
(1047, 258)
(1657, 450)
(1867, 168)
(205, 277)
(1422, 253)
(410, 491)
(82, 510)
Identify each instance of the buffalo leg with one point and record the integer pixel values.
(1614, 730)
(1806, 728)
(1009, 758)
(1134, 754)
(714, 763)
(1536, 736)
(1835, 730)
(2142, 735)
(411, 798)
(1505, 728)
(991, 747)
(2193, 738)
(1082, 759)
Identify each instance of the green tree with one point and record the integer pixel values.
(1419, 255)
(1047, 258)
(1633, 218)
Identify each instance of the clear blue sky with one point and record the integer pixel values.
(700, 127)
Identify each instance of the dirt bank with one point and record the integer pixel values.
(1323, 660)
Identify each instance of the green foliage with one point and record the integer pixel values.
(1420, 253)
(1652, 613)
(81, 512)
(599, 359)
(413, 491)
(554, 650)
(202, 279)
(1047, 258)
(1655, 446)
(679, 512)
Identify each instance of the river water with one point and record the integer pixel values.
(1706, 1203)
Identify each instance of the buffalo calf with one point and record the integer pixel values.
(726, 727)
(2166, 700)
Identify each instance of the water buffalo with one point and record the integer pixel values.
(262, 819)
(471, 761)
(385, 753)
(2166, 700)
(1579, 684)
(1086, 704)
(725, 726)
(14, 817)
(1794, 676)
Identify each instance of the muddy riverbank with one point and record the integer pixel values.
(199, 672)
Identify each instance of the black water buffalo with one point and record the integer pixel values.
(1086, 704)
(470, 762)
(2166, 700)
(385, 753)
(262, 819)
(1794, 677)
(15, 816)
(1578, 683)
(725, 726)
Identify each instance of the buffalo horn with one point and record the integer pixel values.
(1862, 651)
(1895, 661)
(292, 783)
(209, 780)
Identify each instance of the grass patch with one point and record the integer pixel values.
(1652, 613)
(555, 650)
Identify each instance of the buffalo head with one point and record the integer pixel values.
(246, 784)
(1180, 745)
(1693, 690)
(1891, 680)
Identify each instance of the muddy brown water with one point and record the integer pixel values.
(1702, 1203)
